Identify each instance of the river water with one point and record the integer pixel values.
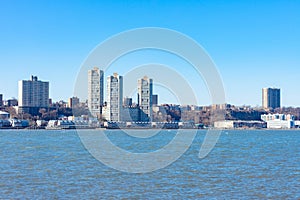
(256, 164)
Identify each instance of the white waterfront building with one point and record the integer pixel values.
(95, 91)
(145, 92)
(4, 115)
(278, 121)
(232, 124)
(114, 94)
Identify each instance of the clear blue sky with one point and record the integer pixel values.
(254, 44)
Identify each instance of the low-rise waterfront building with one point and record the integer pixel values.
(297, 123)
(60, 124)
(17, 123)
(4, 115)
(141, 125)
(4, 123)
(41, 123)
(165, 125)
(187, 125)
(232, 124)
(279, 121)
(115, 124)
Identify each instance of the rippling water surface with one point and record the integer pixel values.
(243, 165)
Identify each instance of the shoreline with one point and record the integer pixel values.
(146, 129)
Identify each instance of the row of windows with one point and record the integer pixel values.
(92, 91)
(147, 91)
(146, 100)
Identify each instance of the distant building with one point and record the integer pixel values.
(297, 123)
(278, 121)
(127, 102)
(145, 90)
(12, 102)
(50, 102)
(95, 91)
(270, 98)
(33, 95)
(73, 102)
(160, 108)
(1, 99)
(199, 108)
(218, 106)
(185, 108)
(60, 104)
(154, 99)
(114, 98)
(17, 123)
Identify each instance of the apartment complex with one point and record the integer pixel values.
(114, 98)
(270, 98)
(279, 121)
(116, 108)
(145, 92)
(33, 95)
(95, 91)
(73, 102)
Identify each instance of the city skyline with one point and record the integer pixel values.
(270, 97)
(254, 45)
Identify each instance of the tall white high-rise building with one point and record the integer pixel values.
(145, 90)
(114, 98)
(95, 91)
(271, 98)
(33, 94)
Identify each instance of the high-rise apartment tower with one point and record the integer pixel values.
(145, 92)
(114, 98)
(95, 91)
(270, 98)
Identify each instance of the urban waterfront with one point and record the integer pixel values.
(244, 164)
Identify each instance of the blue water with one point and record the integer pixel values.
(243, 165)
